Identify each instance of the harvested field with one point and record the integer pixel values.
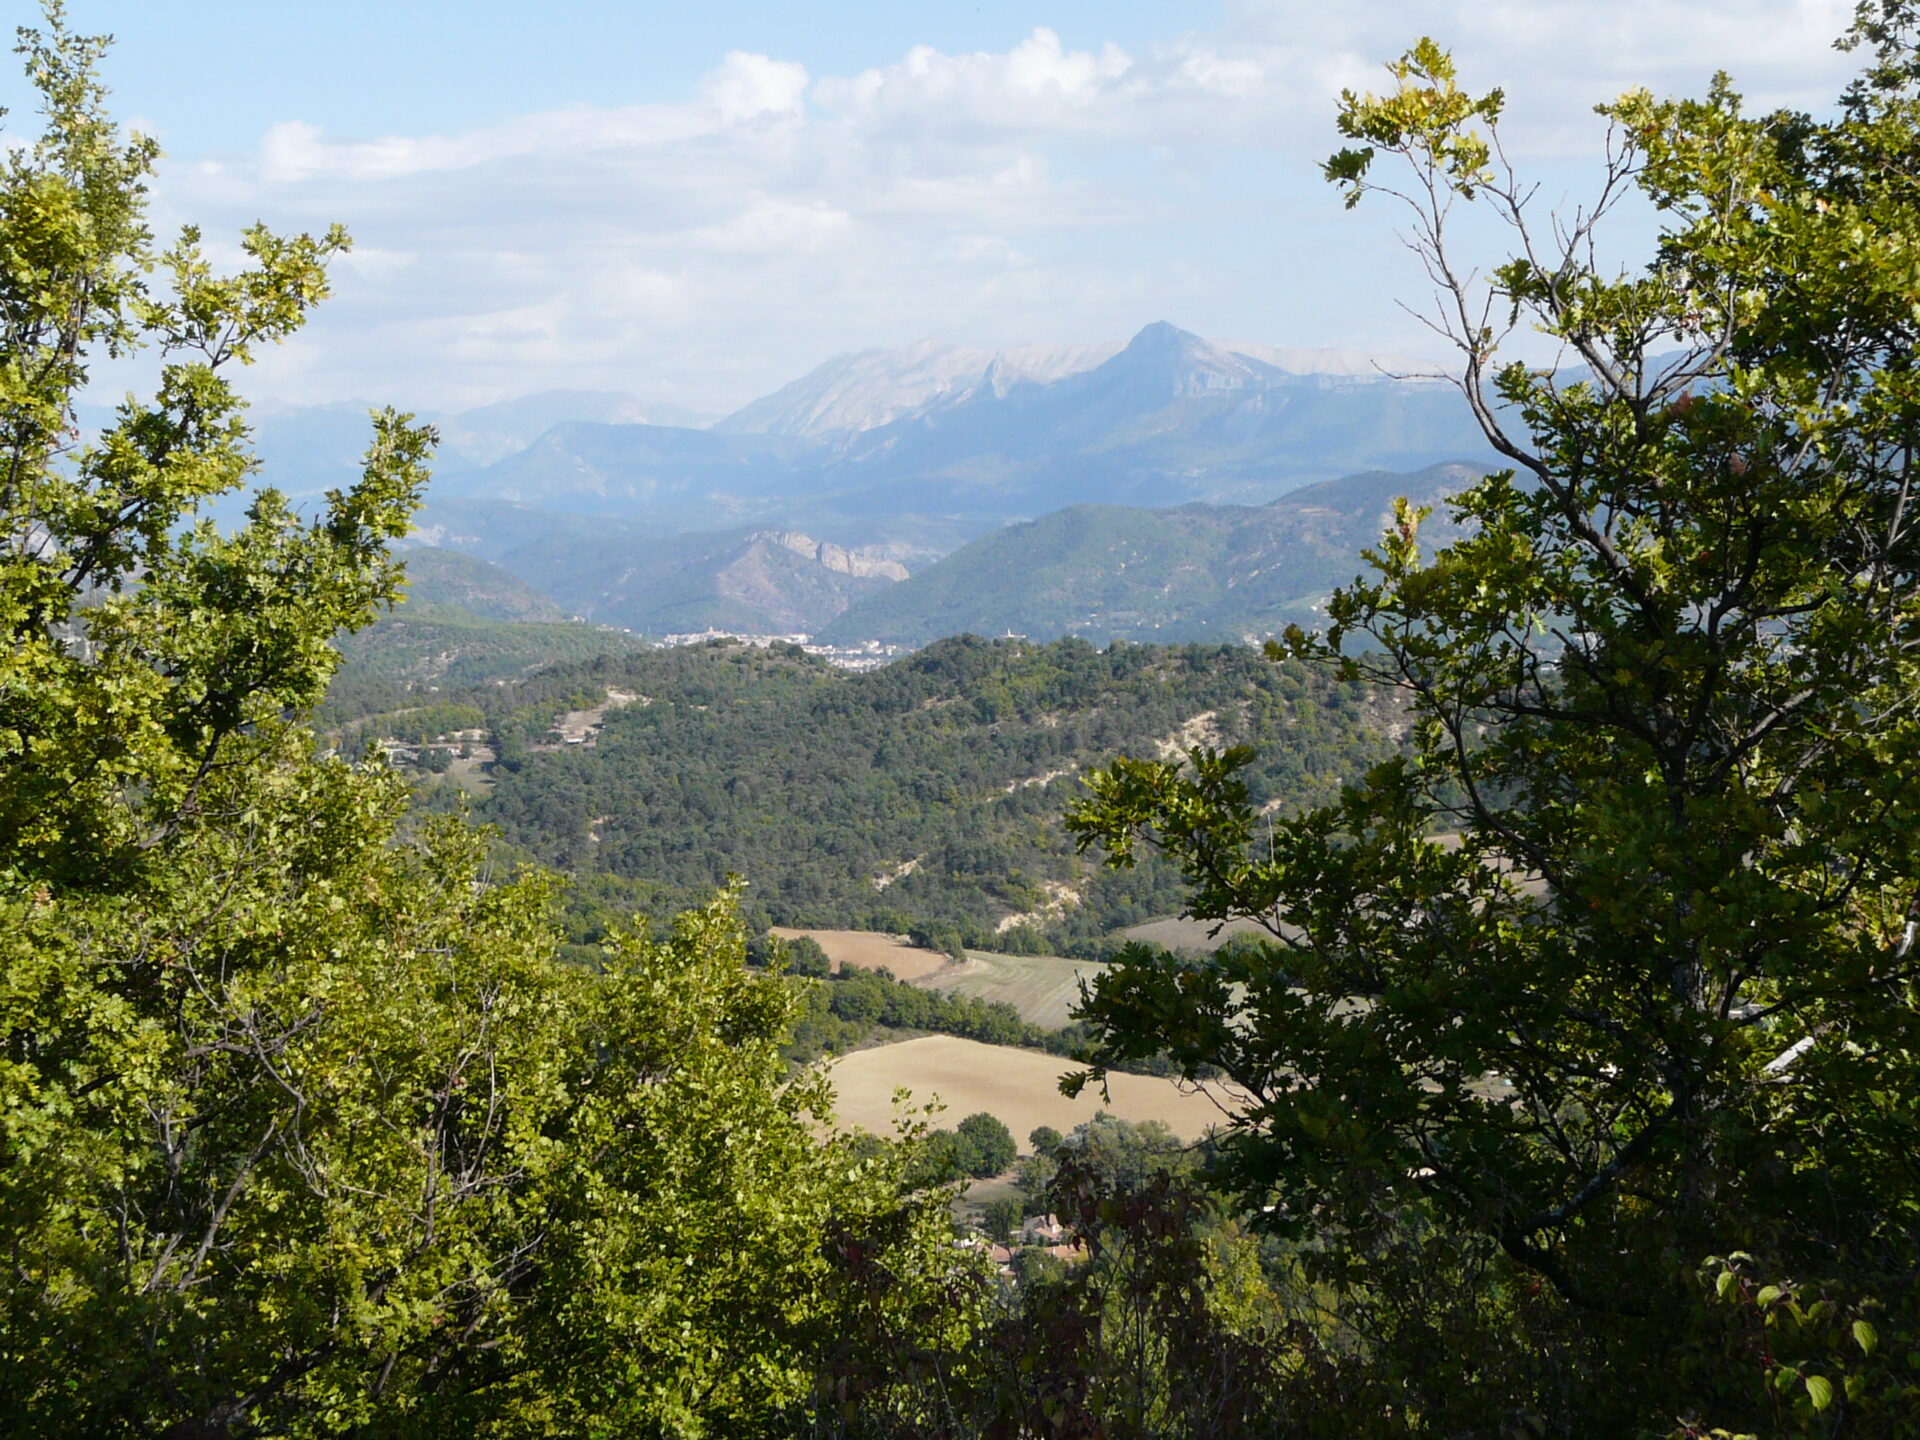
(1021, 1087)
(869, 950)
(1043, 988)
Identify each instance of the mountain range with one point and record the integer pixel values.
(1164, 487)
(952, 443)
(1196, 572)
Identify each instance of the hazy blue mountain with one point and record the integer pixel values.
(747, 578)
(306, 450)
(903, 457)
(1169, 418)
(496, 529)
(865, 389)
(754, 580)
(493, 432)
(679, 478)
(1196, 572)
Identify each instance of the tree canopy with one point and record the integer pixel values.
(1615, 970)
(303, 1128)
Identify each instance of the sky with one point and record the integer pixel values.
(697, 202)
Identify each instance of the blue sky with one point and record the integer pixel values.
(698, 202)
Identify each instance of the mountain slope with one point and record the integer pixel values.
(688, 478)
(863, 390)
(932, 787)
(1196, 572)
(483, 590)
(752, 580)
(1169, 419)
(856, 392)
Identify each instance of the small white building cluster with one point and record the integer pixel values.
(860, 655)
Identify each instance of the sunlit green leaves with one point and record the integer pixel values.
(303, 1129)
(1428, 117)
(1609, 968)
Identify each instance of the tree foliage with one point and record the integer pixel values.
(926, 794)
(303, 1129)
(1615, 969)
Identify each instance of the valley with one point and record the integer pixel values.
(621, 609)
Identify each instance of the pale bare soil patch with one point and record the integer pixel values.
(582, 727)
(1021, 1087)
(1043, 988)
(898, 872)
(869, 950)
(1047, 778)
(1202, 729)
(470, 772)
(1060, 898)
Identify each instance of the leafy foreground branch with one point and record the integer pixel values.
(1616, 970)
(303, 1130)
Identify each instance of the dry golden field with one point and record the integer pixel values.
(1021, 1087)
(867, 950)
(1043, 988)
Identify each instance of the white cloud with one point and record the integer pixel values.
(1191, 90)
(1036, 82)
(778, 225)
(1559, 59)
(747, 87)
(710, 249)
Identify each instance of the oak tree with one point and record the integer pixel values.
(1615, 967)
(303, 1128)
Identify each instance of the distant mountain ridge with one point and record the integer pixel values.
(1195, 572)
(1198, 572)
(805, 510)
(1167, 419)
(927, 446)
(865, 389)
(747, 579)
(860, 390)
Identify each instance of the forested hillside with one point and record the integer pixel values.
(932, 789)
(424, 645)
(479, 587)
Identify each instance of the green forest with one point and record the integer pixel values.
(930, 791)
(1579, 1071)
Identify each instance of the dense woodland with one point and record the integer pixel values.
(819, 786)
(1580, 1073)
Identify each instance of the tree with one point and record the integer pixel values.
(987, 1145)
(303, 1128)
(1614, 969)
(1000, 1218)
